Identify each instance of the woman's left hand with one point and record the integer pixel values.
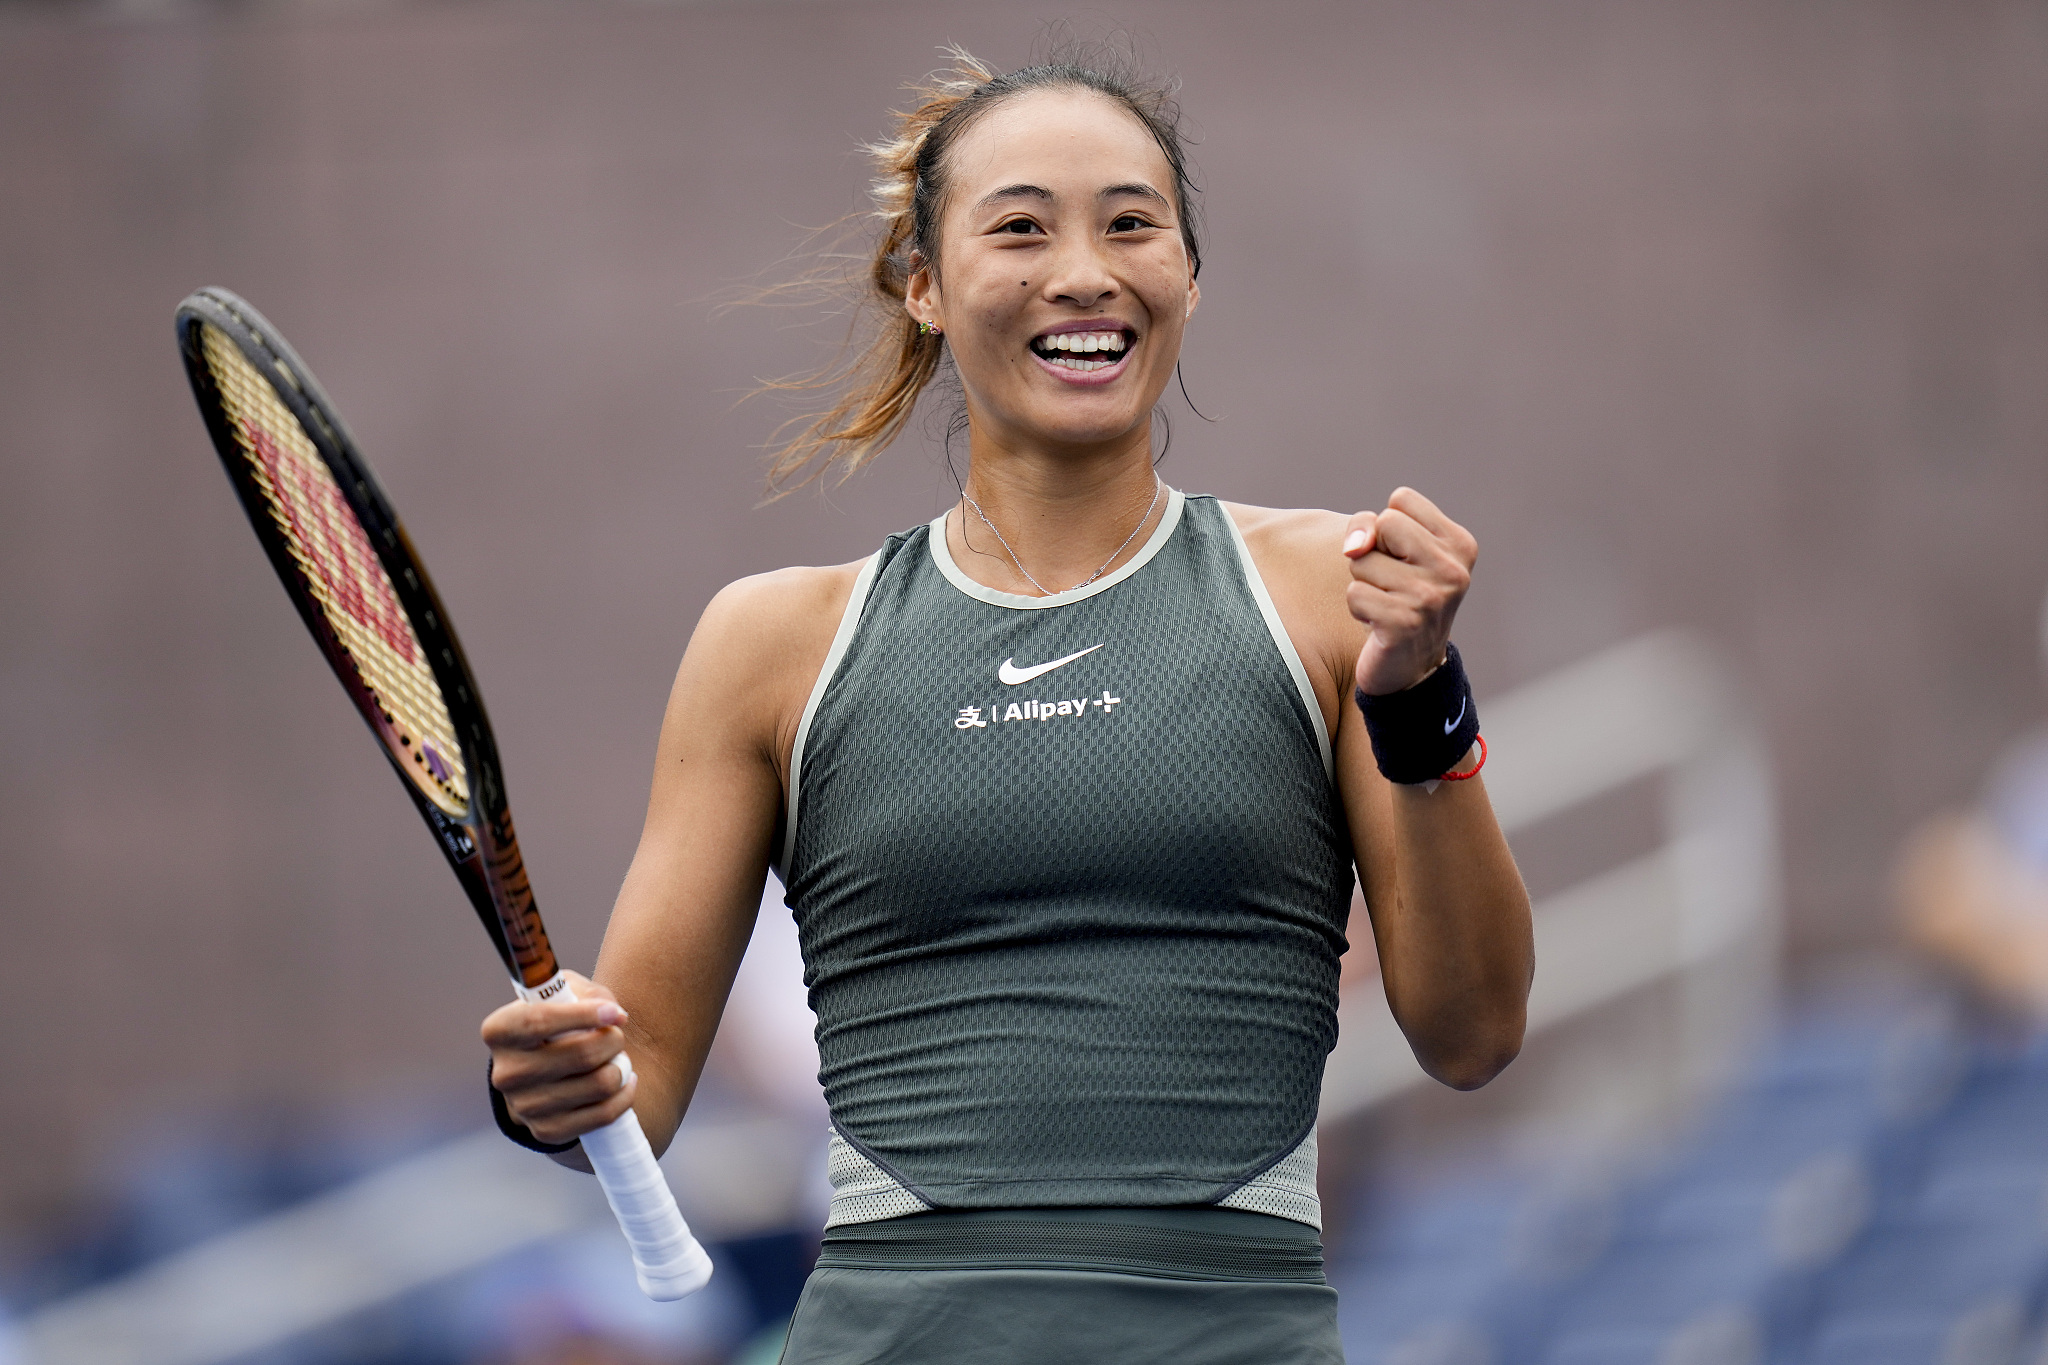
(1410, 567)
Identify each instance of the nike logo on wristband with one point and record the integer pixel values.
(1452, 723)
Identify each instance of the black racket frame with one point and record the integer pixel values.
(483, 850)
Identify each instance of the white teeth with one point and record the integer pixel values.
(1084, 343)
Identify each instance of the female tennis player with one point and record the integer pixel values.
(1067, 789)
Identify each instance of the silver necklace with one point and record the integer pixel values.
(1158, 486)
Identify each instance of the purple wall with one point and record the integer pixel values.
(1726, 315)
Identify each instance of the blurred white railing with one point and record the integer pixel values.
(1701, 911)
(461, 1205)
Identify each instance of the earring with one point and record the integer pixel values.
(929, 329)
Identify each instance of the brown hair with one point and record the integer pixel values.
(891, 362)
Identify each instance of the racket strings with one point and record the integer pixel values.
(341, 571)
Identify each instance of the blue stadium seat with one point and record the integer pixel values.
(1875, 1192)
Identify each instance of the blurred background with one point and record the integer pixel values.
(1724, 326)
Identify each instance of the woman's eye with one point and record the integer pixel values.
(1130, 222)
(1019, 226)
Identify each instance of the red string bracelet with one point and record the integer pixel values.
(1460, 777)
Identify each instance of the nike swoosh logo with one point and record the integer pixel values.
(1452, 723)
(1011, 674)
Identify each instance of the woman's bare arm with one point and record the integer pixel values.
(1450, 917)
(686, 910)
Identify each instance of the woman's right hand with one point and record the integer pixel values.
(553, 1061)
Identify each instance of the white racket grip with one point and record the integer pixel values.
(666, 1259)
(668, 1262)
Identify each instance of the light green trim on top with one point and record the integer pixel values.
(942, 557)
(1278, 629)
(849, 620)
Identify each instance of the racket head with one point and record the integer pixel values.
(345, 561)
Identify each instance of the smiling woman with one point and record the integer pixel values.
(915, 169)
(1070, 866)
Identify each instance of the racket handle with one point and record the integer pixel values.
(667, 1260)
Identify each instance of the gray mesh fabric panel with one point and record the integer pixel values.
(863, 1192)
(1287, 1189)
(1071, 942)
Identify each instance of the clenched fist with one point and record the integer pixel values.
(1410, 567)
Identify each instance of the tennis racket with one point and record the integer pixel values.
(348, 566)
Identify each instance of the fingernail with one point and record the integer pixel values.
(609, 1014)
(1354, 542)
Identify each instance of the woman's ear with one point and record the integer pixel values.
(921, 293)
(1194, 296)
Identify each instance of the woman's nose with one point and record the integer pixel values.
(1081, 276)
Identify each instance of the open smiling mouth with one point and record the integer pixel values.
(1084, 352)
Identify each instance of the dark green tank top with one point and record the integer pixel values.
(1071, 880)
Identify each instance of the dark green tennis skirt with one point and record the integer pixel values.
(1191, 1286)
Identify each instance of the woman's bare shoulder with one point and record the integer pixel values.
(1299, 554)
(767, 623)
(752, 661)
(1295, 543)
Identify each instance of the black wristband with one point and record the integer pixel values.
(513, 1128)
(1420, 734)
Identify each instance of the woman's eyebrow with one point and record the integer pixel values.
(1136, 189)
(1014, 192)
(1140, 190)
